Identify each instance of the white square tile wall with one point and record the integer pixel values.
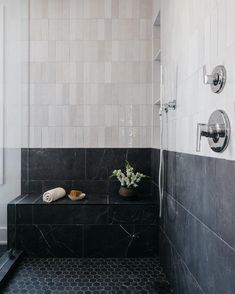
(91, 73)
(195, 33)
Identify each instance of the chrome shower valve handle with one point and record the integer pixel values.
(214, 132)
(216, 80)
(217, 131)
(212, 79)
(201, 131)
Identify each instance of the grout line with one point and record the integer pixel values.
(196, 218)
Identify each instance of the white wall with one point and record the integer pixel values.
(91, 65)
(15, 103)
(195, 33)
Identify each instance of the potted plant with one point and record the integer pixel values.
(129, 180)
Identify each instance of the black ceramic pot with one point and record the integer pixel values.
(126, 192)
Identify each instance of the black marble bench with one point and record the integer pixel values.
(98, 226)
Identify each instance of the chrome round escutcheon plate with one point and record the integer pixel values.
(219, 126)
(220, 73)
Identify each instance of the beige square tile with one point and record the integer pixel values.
(98, 93)
(145, 8)
(77, 8)
(52, 51)
(96, 29)
(94, 9)
(35, 72)
(55, 115)
(79, 68)
(39, 51)
(94, 72)
(38, 9)
(125, 72)
(58, 9)
(145, 119)
(128, 9)
(48, 137)
(97, 51)
(75, 115)
(48, 72)
(24, 70)
(38, 29)
(94, 115)
(111, 115)
(145, 50)
(77, 50)
(146, 29)
(129, 115)
(79, 29)
(115, 9)
(59, 30)
(38, 115)
(77, 94)
(108, 72)
(126, 50)
(75, 71)
(70, 139)
(62, 51)
(79, 135)
(108, 29)
(35, 137)
(42, 94)
(125, 29)
(108, 8)
(62, 94)
(63, 72)
(145, 70)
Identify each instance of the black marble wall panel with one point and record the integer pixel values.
(94, 227)
(198, 224)
(177, 271)
(50, 240)
(134, 214)
(88, 240)
(88, 169)
(121, 241)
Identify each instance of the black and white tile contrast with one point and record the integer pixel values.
(89, 276)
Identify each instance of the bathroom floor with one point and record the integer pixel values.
(89, 276)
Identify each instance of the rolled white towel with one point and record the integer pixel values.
(53, 195)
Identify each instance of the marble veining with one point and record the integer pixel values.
(196, 242)
(86, 168)
(65, 228)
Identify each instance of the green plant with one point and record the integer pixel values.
(128, 179)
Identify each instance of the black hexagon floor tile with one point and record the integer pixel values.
(88, 276)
